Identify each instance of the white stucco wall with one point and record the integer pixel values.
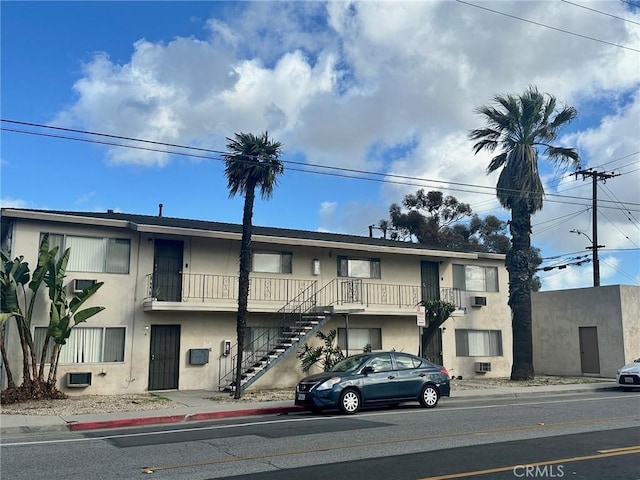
(123, 296)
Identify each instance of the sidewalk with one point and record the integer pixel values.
(194, 407)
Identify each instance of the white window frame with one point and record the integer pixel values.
(476, 278)
(272, 262)
(359, 267)
(102, 254)
(359, 338)
(78, 349)
(478, 343)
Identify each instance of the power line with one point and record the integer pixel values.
(550, 27)
(346, 172)
(595, 176)
(563, 266)
(627, 214)
(623, 234)
(620, 272)
(598, 11)
(619, 158)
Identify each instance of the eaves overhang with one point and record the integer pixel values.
(265, 235)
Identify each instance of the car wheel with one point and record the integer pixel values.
(350, 401)
(429, 396)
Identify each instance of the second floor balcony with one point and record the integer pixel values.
(206, 292)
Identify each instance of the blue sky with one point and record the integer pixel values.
(383, 87)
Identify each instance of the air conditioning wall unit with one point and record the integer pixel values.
(78, 379)
(198, 356)
(478, 301)
(80, 284)
(483, 367)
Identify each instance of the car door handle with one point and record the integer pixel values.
(391, 377)
(423, 374)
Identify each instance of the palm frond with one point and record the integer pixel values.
(563, 155)
(489, 145)
(488, 133)
(497, 162)
(566, 115)
(252, 161)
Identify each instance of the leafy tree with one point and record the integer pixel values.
(436, 220)
(327, 354)
(442, 211)
(64, 314)
(517, 126)
(254, 162)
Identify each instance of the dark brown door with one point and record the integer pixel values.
(164, 358)
(167, 270)
(589, 353)
(433, 349)
(430, 275)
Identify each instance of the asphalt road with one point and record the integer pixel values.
(594, 436)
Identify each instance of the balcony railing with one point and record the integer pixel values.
(195, 287)
(198, 287)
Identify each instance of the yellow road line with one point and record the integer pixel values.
(380, 442)
(617, 452)
(621, 449)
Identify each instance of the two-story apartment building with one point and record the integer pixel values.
(170, 292)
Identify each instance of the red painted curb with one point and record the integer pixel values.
(125, 422)
(241, 413)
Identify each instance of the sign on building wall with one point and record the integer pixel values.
(421, 316)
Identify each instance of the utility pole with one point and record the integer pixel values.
(595, 176)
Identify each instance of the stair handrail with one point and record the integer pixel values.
(304, 303)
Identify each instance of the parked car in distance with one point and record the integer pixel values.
(629, 375)
(374, 378)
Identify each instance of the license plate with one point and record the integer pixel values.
(628, 380)
(301, 396)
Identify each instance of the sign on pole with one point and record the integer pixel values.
(421, 316)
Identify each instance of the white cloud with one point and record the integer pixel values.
(384, 69)
(340, 82)
(8, 202)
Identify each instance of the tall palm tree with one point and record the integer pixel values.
(253, 161)
(516, 127)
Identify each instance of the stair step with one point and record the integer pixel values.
(265, 353)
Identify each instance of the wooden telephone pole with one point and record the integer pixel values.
(595, 176)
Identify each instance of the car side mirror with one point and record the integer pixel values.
(367, 370)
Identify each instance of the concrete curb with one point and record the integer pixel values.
(125, 422)
(165, 419)
(197, 417)
(521, 394)
(31, 424)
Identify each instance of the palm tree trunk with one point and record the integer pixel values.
(243, 281)
(519, 266)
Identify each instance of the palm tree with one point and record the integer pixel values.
(516, 127)
(253, 162)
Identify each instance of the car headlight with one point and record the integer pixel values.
(328, 384)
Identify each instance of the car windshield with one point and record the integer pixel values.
(349, 364)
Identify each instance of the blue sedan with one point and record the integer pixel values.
(380, 378)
